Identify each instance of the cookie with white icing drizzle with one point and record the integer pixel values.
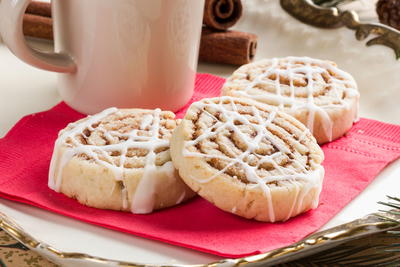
(120, 160)
(316, 92)
(248, 158)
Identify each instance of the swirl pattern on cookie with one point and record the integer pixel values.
(248, 158)
(316, 92)
(119, 159)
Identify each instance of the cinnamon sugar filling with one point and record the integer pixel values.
(322, 80)
(229, 143)
(115, 130)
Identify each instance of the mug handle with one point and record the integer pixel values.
(11, 20)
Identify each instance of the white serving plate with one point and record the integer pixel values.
(25, 90)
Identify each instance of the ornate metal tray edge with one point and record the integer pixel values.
(307, 12)
(314, 243)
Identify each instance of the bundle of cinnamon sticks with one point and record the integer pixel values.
(218, 43)
(37, 20)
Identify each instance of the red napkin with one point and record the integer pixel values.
(351, 164)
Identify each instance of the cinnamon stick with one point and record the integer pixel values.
(39, 8)
(222, 14)
(38, 26)
(229, 47)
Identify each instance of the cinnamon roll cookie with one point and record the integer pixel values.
(316, 92)
(248, 158)
(120, 160)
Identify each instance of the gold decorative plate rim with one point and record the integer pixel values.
(331, 18)
(316, 242)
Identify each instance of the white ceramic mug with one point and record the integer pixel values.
(123, 53)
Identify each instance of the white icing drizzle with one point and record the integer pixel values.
(142, 200)
(181, 198)
(309, 69)
(311, 178)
